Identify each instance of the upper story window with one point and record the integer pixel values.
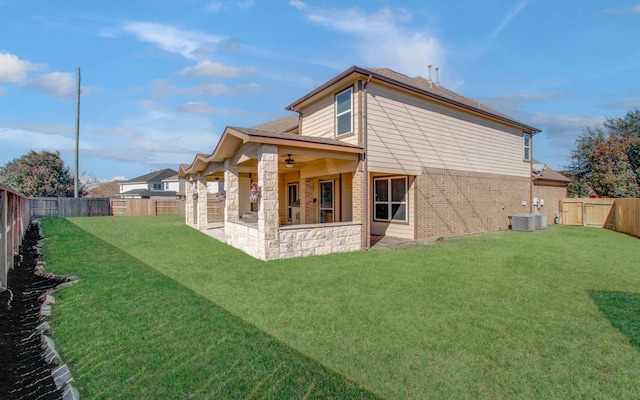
(526, 140)
(166, 186)
(344, 114)
(157, 186)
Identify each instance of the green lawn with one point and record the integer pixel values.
(166, 312)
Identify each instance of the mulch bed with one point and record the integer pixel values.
(24, 374)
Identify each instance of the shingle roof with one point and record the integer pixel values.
(295, 138)
(155, 176)
(279, 125)
(421, 86)
(431, 87)
(549, 174)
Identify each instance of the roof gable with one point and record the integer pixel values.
(418, 85)
(155, 176)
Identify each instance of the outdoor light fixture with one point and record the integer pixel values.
(194, 195)
(289, 161)
(222, 195)
(254, 192)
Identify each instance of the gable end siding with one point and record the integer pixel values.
(406, 133)
(318, 120)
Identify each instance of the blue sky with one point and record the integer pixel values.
(161, 79)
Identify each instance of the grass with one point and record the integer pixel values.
(166, 312)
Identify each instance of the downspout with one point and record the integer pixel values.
(366, 167)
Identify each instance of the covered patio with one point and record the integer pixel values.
(285, 195)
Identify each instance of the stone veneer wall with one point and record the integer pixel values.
(201, 207)
(451, 203)
(296, 240)
(318, 239)
(244, 236)
(189, 209)
(268, 216)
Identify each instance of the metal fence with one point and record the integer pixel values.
(14, 220)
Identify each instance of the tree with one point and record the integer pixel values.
(40, 174)
(606, 160)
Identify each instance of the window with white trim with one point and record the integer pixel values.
(390, 199)
(344, 114)
(157, 186)
(526, 141)
(166, 186)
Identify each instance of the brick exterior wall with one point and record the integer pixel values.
(306, 201)
(450, 203)
(552, 195)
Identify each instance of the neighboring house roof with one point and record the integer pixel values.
(548, 174)
(107, 189)
(155, 176)
(173, 178)
(146, 192)
(418, 85)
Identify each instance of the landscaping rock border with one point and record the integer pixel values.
(30, 367)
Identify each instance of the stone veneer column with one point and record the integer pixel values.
(358, 199)
(268, 227)
(306, 201)
(188, 202)
(232, 202)
(203, 220)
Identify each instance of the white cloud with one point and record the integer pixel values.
(510, 103)
(213, 7)
(247, 4)
(163, 90)
(192, 45)
(511, 15)
(197, 107)
(13, 69)
(24, 140)
(383, 39)
(635, 9)
(210, 69)
(61, 85)
(624, 105)
(297, 4)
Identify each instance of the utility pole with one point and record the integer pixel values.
(75, 181)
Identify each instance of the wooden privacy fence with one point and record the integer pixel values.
(622, 215)
(63, 207)
(627, 216)
(14, 220)
(215, 209)
(142, 207)
(588, 212)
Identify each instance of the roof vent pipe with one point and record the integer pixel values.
(430, 82)
(437, 76)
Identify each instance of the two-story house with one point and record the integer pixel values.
(157, 184)
(370, 152)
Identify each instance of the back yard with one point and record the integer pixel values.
(166, 312)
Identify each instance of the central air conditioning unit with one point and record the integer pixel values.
(523, 222)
